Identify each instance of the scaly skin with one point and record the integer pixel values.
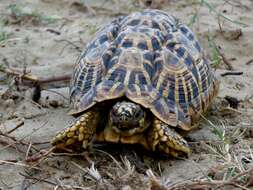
(164, 138)
(80, 133)
(159, 137)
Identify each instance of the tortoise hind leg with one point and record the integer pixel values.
(80, 133)
(163, 138)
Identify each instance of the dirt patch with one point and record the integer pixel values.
(45, 37)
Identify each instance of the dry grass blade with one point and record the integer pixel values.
(21, 141)
(7, 143)
(55, 184)
(20, 124)
(129, 169)
(214, 184)
(212, 9)
(235, 174)
(155, 184)
(116, 162)
(224, 59)
(92, 172)
(40, 156)
(32, 80)
(19, 164)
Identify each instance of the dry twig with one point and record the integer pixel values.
(231, 73)
(20, 124)
(55, 184)
(20, 141)
(79, 49)
(15, 141)
(18, 164)
(32, 80)
(225, 60)
(207, 184)
(40, 156)
(249, 62)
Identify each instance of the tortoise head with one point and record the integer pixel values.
(128, 118)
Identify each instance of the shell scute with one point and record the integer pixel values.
(150, 58)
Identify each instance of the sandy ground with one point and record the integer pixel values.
(48, 41)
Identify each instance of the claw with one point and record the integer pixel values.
(80, 133)
(166, 139)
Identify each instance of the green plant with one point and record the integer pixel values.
(193, 19)
(212, 9)
(4, 36)
(205, 3)
(215, 56)
(17, 12)
(92, 29)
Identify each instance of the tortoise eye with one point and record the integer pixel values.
(137, 114)
(114, 112)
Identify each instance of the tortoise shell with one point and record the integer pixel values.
(151, 59)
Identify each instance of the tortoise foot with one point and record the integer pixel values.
(79, 134)
(165, 139)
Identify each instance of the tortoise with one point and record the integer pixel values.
(143, 79)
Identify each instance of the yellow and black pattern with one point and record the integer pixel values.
(80, 133)
(167, 140)
(150, 58)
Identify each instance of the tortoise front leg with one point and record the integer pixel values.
(80, 133)
(164, 138)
